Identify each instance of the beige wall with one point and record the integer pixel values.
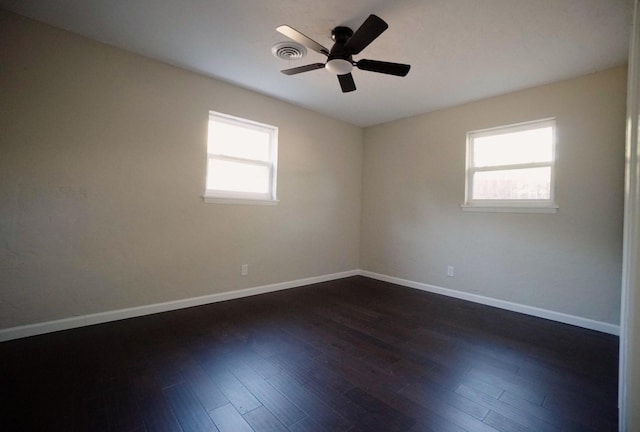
(102, 165)
(569, 262)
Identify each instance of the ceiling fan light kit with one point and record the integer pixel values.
(339, 66)
(340, 58)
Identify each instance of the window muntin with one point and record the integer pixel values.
(511, 166)
(241, 159)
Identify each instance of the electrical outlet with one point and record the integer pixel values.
(450, 271)
(244, 270)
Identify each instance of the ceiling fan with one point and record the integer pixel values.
(340, 57)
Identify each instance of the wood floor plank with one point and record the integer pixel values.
(147, 384)
(425, 416)
(383, 415)
(482, 387)
(549, 416)
(514, 414)
(261, 420)
(504, 424)
(314, 371)
(158, 415)
(228, 419)
(427, 390)
(329, 391)
(91, 414)
(263, 366)
(203, 387)
(312, 406)
(241, 398)
(524, 389)
(280, 406)
(188, 410)
(123, 410)
(357, 325)
(578, 405)
(306, 425)
(350, 355)
(449, 412)
(330, 337)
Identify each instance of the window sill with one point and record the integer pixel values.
(240, 201)
(553, 208)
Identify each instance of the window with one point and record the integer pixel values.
(241, 161)
(511, 168)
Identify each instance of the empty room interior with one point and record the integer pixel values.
(351, 260)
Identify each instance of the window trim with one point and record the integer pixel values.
(509, 205)
(220, 196)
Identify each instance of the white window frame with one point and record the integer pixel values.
(509, 205)
(238, 197)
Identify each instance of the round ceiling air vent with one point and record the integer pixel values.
(288, 51)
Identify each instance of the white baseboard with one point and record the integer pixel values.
(103, 317)
(502, 304)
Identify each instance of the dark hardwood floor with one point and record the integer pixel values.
(349, 355)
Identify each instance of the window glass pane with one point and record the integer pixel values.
(238, 141)
(527, 146)
(516, 184)
(237, 177)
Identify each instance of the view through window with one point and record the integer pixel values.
(241, 159)
(511, 166)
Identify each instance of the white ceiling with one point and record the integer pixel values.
(460, 50)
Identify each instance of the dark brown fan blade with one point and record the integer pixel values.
(300, 69)
(368, 31)
(346, 83)
(295, 35)
(398, 69)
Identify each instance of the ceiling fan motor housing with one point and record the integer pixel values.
(340, 61)
(341, 34)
